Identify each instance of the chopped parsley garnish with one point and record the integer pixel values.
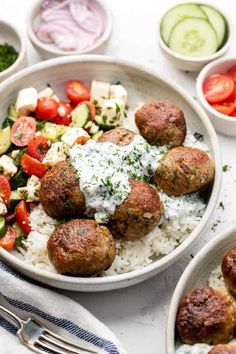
(198, 136)
(221, 205)
(226, 168)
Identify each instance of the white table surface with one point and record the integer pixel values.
(137, 315)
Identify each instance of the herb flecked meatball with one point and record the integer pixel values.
(223, 349)
(228, 268)
(118, 136)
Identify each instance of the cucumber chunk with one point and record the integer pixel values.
(3, 226)
(19, 179)
(5, 139)
(80, 116)
(15, 198)
(217, 21)
(8, 122)
(193, 37)
(177, 14)
(97, 135)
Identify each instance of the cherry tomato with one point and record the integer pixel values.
(63, 114)
(77, 91)
(82, 140)
(8, 240)
(22, 217)
(224, 107)
(46, 108)
(32, 166)
(91, 107)
(23, 130)
(232, 73)
(233, 114)
(218, 87)
(38, 147)
(5, 189)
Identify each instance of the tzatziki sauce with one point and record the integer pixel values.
(104, 169)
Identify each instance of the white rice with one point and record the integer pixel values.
(216, 279)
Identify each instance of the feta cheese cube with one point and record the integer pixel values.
(112, 112)
(94, 128)
(31, 190)
(3, 208)
(57, 152)
(14, 153)
(26, 102)
(118, 91)
(8, 166)
(47, 92)
(70, 137)
(99, 92)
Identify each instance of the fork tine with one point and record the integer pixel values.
(62, 346)
(70, 343)
(50, 347)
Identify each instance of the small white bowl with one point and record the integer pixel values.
(186, 63)
(49, 50)
(8, 34)
(223, 124)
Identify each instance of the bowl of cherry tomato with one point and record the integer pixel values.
(216, 91)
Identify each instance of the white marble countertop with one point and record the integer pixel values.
(137, 315)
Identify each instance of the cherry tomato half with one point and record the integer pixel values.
(8, 240)
(23, 130)
(77, 91)
(63, 114)
(5, 189)
(38, 147)
(224, 107)
(46, 108)
(91, 107)
(233, 114)
(32, 166)
(218, 87)
(22, 217)
(232, 73)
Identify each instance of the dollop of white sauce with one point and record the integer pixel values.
(104, 169)
(193, 349)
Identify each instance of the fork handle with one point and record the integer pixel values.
(12, 316)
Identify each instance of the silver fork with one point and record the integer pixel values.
(36, 337)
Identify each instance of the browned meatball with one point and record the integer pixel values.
(81, 248)
(228, 268)
(206, 315)
(184, 170)
(118, 136)
(161, 123)
(138, 214)
(223, 349)
(60, 193)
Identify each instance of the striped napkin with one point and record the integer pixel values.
(58, 313)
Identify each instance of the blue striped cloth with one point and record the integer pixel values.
(27, 298)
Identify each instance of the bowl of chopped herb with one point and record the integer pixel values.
(12, 50)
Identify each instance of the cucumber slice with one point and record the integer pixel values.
(80, 116)
(217, 21)
(3, 226)
(5, 139)
(14, 200)
(53, 131)
(8, 122)
(19, 180)
(193, 37)
(12, 111)
(177, 14)
(97, 135)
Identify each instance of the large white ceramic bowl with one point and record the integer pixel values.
(196, 275)
(142, 85)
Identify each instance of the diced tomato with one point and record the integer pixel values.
(22, 217)
(77, 91)
(32, 166)
(233, 114)
(38, 147)
(63, 114)
(5, 189)
(218, 88)
(91, 107)
(46, 108)
(82, 140)
(23, 130)
(224, 107)
(232, 73)
(8, 240)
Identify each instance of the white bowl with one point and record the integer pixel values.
(143, 85)
(223, 124)
(185, 63)
(8, 34)
(196, 275)
(49, 51)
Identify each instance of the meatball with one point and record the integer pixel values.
(228, 268)
(60, 193)
(206, 315)
(81, 247)
(118, 136)
(161, 123)
(138, 214)
(184, 170)
(223, 349)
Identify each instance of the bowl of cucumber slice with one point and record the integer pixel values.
(193, 34)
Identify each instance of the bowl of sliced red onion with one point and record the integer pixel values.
(66, 27)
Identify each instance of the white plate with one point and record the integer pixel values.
(142, 85)
(196, 275)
